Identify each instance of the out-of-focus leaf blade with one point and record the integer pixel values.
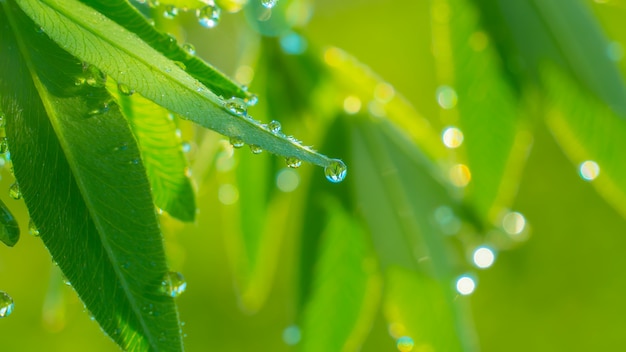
(346, 288)
(494, 143)
(9, 229)
(162, 155)
(80, 174)
(80, 30)
(588, 130)
(128, 17)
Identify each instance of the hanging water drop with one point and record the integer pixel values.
(189, 48)
(173, 284)
(124, 89)
(236, 106)
(14, 191)
(236, 142)
(32, 228)
(6, 304)
(208, 16)
(274, 127)
(4, 145)
(269, 3)
(255, 149)
(336, 171)
(170, 12)
(405, 344)
(293, 162)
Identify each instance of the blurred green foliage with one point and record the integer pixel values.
(282, 260)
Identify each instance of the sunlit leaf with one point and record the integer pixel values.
(346, 287)
(591, 134)
(81, 176)
(122, 55)
(162, 154)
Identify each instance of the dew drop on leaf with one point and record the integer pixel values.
(6, 304)
(336, 171)
(293, 162)
(208, 16)
(405, 344)
(255, 149)
(189, 48)
(483, 257)
(173, 284)
(465, 285)
(236, 106)
(236, 142)
(170, 12)
(14, 191)
(4, 145)
(32, 228)
(274, 127)
(269, 3)
(447, 97)
(251, 100)
(589, 170)
(125, 89)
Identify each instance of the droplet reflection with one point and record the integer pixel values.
(405, 344)
(589, 170)
(452, 137)
(6, 304)
(465, 285)
(447, 97)
(483, 257)
(513, 223)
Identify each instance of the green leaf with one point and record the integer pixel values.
(346, 287)
(495, 143)
(94, 38)
(588, 130)
(161, 152)
(128, 17)
(9, 229)
(81, 176)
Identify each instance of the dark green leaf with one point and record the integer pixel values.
(81, 176)
(9, 230)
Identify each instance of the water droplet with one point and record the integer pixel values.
(251, 100)
(170, 12)
(274, 127)
(465, 285)
(405, 344)
(460, 175)
(95, 77)
(352, 104)
(153, 3)
(446, 97)
(236, 106)
(4, 145)
(228, 194)
(269, 3)
(336, 171)
(236, 142)
(100, 110)
(66, 281)
(14, 191)
(173, 284)
(208, 16)
(483, 257)
(287, 180)
(255, 149)
(292, 335)
(79, 81)
(186, 147)
(181, 65)
(589, 170)
(134, 161)
(452, 137)
(189, 48)
(124, 89)
(6, 304)
(513, 223)
(293, 163)
(3, 120)
(32, 228)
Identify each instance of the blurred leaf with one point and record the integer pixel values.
(493, 140)
(588, 130)
(346, 287)
(124, 56)
(80, 174)
(9, 229)
(128, 17)
(161, 152)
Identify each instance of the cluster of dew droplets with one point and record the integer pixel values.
(208, 14)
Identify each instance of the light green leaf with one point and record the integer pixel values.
(346, 287)
(162, 154)
(96, 39)
(9, 229)
(81, 176)
(588, 130)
